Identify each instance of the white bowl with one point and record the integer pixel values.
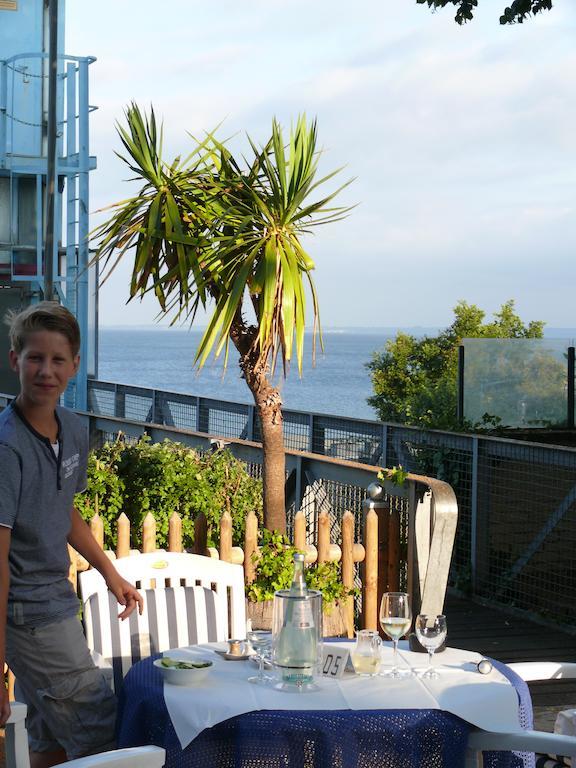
(184, 676)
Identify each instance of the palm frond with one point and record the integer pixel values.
(215, 229)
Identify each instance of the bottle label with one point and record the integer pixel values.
(302, 617)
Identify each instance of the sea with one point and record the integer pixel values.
(337, 383)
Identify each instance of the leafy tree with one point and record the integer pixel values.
(213, 231)
(513, 14)
(415, 380)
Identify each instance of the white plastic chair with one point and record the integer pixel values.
(17, 756)
(530, 671)
(526, 741)
(16, 737)
(189, 599)
(518, 741)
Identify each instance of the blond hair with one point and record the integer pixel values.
(44, 316)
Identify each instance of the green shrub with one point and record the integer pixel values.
(105, 488)
(163, 478)
(275, 565)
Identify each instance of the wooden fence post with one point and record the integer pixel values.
(323, 537)
(394, 551)
(97, 528)
(123, 536)
(149, 533)
(226, 537)
(310, 552)
(175, 533)
(200, 534)
(250, 546)
(300, 531)
(348, 568)
(370, 596)
(383, 511)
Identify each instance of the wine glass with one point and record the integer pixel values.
(261, 641)
(395, 620)
(431, 632)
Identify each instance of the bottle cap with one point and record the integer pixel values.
(298, 557)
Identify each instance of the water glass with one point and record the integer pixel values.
(431, 632)
(261, 641)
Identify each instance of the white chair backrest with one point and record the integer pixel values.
(189, 599)
(172, 569)
(544, 670)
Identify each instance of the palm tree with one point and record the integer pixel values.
(212, 231)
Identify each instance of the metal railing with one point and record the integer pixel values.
(336, 436)
(516, 538)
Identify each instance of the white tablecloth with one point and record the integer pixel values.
(487, 701)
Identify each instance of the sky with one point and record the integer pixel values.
(461, 140)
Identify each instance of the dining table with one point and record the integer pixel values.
(224, 721)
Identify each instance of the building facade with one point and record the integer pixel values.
(24, 109)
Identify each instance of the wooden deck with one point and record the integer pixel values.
(507, 637)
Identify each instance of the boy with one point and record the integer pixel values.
(43, 457)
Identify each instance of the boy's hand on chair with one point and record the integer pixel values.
(127, 595)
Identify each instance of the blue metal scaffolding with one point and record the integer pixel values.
(23, 178)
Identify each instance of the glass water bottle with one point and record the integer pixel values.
(297, 632)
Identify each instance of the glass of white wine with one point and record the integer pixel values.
(395, 620)
(431, 632)
(261, 641)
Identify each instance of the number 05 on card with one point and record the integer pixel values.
(334, 660)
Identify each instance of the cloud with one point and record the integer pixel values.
(461, 139)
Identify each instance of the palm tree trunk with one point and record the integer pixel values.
(269, 406)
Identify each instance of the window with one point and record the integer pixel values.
(21, 193)
(27, 225)
(4, 209)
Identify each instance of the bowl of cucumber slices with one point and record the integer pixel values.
(179, 672)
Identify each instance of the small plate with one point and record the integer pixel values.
(233, 656)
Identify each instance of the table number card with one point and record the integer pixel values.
(334, 660)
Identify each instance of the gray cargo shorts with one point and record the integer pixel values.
(70, 704)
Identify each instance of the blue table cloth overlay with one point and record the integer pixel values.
(384, 738)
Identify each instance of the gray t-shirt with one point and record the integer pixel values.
(36, 498)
